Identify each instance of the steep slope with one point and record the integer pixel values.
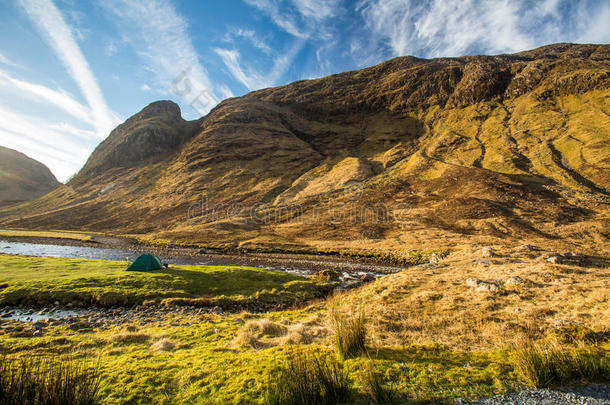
(407, 153)
(23, 178)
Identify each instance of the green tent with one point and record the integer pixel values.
(146, 262)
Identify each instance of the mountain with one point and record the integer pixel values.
(23, 178)
(408, 154)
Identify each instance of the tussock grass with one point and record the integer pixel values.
(308, 379)
(543, 366)
(264, 327)
(34, 381)
(247, 339)
(374, 386)
(129, 337)
(163, 345)
(349, 330)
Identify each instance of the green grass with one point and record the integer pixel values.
(36, 381)
(206, 367)
(308, 379)
(40, 281)
(45, 234)
(543, 366)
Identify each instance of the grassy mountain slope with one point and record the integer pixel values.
(23, 178)
(404, 154)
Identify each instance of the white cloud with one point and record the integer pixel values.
(36, 92)
(251, 78)
(445, 28)
(225, 91)
(285, 20)
(160, 37)
(61, 146)
(316, 9)
(249, 35)
(145, 87)
(597, 29)
(6, 61)
(56, 32)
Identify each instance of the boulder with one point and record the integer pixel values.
(516, 280)
(435, 258)
(488, 252)
(482, 286)
(555, 259)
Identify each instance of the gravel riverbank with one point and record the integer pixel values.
(598, 394)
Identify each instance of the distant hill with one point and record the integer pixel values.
(23, 178)
(477, 148)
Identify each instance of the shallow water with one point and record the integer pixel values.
(299, 266)
(75, 252)
(29, 315)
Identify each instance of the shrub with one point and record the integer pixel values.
(541, 367)
(48, 382)
(349, 331)
(308, 379)
(374, 386)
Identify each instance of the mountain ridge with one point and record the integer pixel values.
(478, 147)
(23, 178)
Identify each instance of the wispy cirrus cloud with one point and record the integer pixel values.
(444, 28)
(41, 94)
(53, 28)
(251, 78)
(159, 35)
(249, 35)
(303, 19)
(62, 146)
(6, 61)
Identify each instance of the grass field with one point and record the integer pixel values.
(46, 234)
(41, 281)
(415, 351)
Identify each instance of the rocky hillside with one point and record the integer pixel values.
(23, 178)
(406, 154)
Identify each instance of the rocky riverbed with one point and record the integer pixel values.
(22, 322)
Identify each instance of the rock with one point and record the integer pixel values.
(484, 286)
(349, 285)
(473, 282)
(481, 286)
(435, 258)
(327, 275)
(56, 303)
(555, 259)
(217, 310)
(527, 247)
(516, 280)
(488, 252)
(367, 278)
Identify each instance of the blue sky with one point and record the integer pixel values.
(71, 70)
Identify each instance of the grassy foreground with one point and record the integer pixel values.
(245, 358)
(42, 281)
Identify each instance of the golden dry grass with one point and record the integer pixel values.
(45, 234)
(435, 305)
